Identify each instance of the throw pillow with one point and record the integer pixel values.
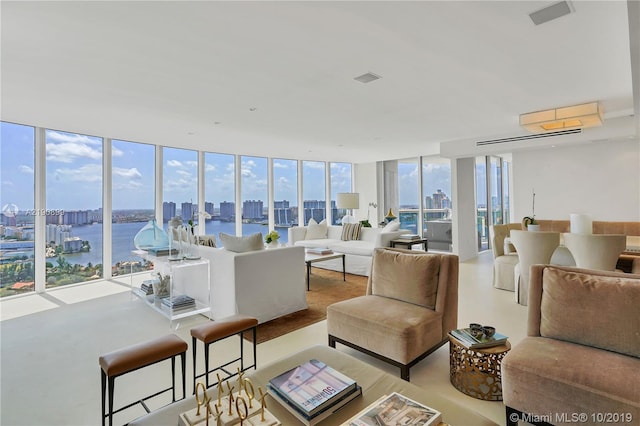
(315, 230)
(207, 240)
(392, 226)
(411, 277)
(242, 244)
(351, 231)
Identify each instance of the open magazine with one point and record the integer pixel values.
(395, 410)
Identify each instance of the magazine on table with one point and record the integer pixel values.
(466, 338)
(395, 410)
(320, 415)
(410, 237)
(312, 387)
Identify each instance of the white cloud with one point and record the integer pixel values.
(73, 138)
(277, 165)
(313, 164)
(174, 163)
(191, 163)
(184, 173)
(115, 152)
(25, 169)
(132, 173)
(209, 167)
(86, 173)
(67, 152)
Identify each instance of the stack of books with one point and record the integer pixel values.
(147, 287)
(319, 250)
(395, 409)
(313, 391)
(410, 237)
(464, 336)
(179, 302)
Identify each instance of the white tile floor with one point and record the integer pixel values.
(51, 343)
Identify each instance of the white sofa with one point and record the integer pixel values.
(358, 253)
(265, 284)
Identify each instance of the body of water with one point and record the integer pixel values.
(123, 234)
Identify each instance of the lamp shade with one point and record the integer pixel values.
(348, 200)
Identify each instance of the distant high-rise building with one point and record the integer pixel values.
(283, 214)
(186, 211)
(227, 211)
(314, 209)
(208, 207)
(168, 211)
(76, 217)
(252, 209)
(284, 204)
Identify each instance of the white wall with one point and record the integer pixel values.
(463, 187)
(365, 183)
(600, 179)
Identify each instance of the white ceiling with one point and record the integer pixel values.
(188, 73)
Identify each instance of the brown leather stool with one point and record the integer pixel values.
(212, 332)
(126, 360)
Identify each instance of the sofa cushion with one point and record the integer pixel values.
(573, 308)
(392, 226)
(419, 271)
(316, 230)
(542, 376)
(360, 248)
(351, 231)
(242, 244)
(323, 243)
(399, 330)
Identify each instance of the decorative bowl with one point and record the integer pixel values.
(488, 330)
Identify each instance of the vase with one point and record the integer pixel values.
(151, 236)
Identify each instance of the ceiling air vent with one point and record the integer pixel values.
(367, 78)
(550, 13)
(529, 137)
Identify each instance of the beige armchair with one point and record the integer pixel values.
(504, 261)
(533, 248)
(595, 251)
(411, 304)
(581, 355)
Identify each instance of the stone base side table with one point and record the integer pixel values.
(476, 372)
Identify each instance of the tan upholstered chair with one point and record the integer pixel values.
(533, 248)
(581, 355)
(409, 308)
(595, 251)
(505, 258)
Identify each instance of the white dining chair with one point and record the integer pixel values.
(534, 247)
(596, 251)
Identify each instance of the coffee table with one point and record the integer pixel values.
(409, 243)
(310, 258)
(374, 383)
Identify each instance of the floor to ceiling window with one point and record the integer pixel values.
(254, 194)
(481, 203)
(505, 190)
(73, 207)
(314, 191)
(495, 185)
(437, 207)
(220, 194)
(180, 185)
(340, 181)
(408, 195)
(17, 233)
(285, 195)
(132, 198)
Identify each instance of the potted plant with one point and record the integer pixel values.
(529, 222)
(272, 238)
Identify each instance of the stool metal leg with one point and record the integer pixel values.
(112, 381)
(206, 363)
(183, 358)
(255, 338)
(173, 378)
(103, 380)
(241, 351)
(193, 349)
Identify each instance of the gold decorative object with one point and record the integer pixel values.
(263, 402)
(231, 399)
(476, 372)
(242, 415)
(248, 384)
(390, 216)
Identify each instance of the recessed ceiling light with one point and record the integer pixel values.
(252, 109)
(217, 122)
(190, 133)
(550, 13)
(367, 77)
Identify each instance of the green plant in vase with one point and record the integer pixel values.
(272, 237)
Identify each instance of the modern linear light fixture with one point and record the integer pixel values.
(571, 117)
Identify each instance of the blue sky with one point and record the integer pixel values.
(74, 173)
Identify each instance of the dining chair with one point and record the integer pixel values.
(596, 251)
(534, 247)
